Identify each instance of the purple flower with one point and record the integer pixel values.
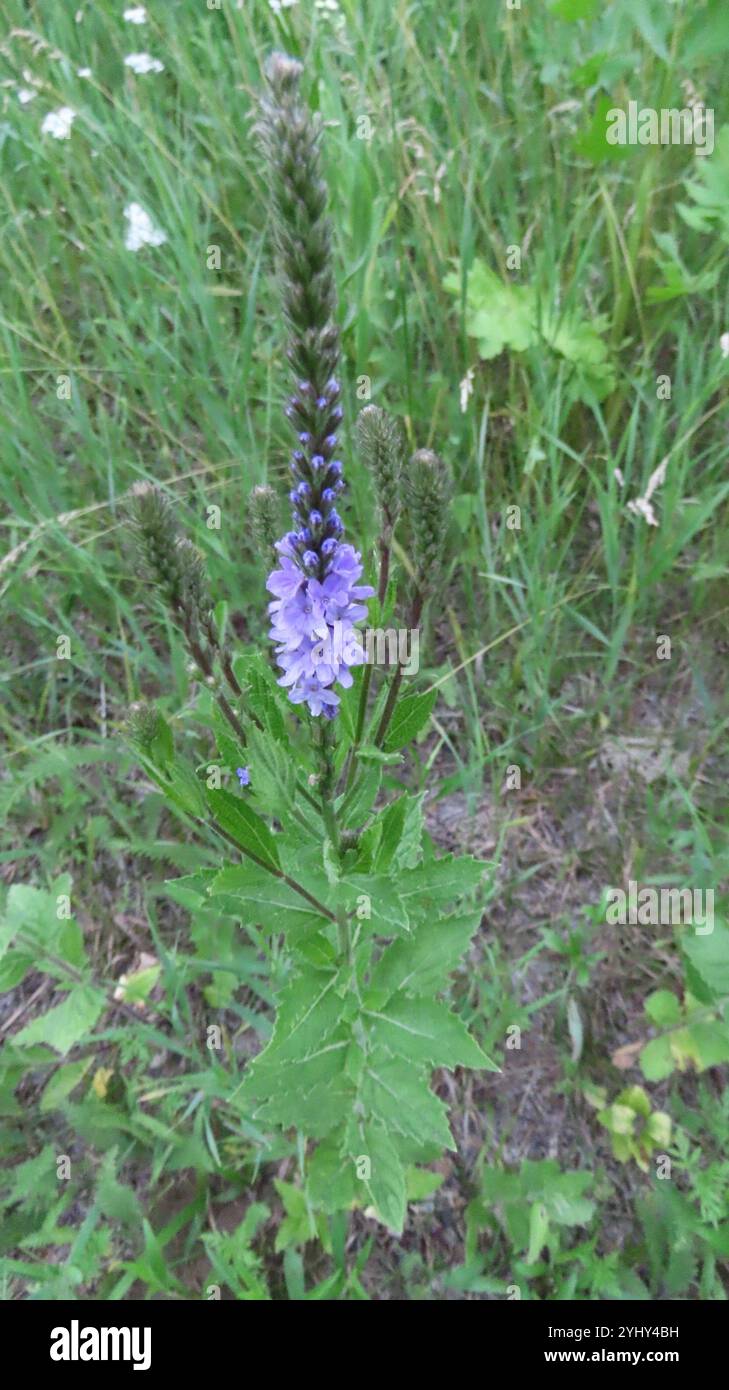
(312, 623)
(287, 581)
(243, 775)
(317, 599)
(319, 699)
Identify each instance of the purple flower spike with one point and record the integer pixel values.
(243, 775)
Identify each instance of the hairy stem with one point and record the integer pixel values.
(396, 682)
(351, 766)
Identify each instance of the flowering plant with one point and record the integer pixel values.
(317, 855)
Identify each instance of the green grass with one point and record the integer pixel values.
(546, 635)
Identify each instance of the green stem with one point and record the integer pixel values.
(326, 780)
(351, 767)
(397, 678)
(271, 869)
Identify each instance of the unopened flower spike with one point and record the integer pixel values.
(263, 510)
(172, 560)
(381, 447)
(179, 571)
(428, 498)
(317, 597)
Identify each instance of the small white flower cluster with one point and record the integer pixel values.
(143, 62)
(58, 123)
(141, 230)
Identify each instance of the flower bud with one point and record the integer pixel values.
(381, 446)
(264, 518)
(428, 497)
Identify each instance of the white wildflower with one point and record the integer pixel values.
(723, 341)
(141, 230)
(466, 389)
(143, 62)
(136, 15)
(25, 95)
(58, 123)
(620, 480)
(642, 506)
(278, 5)
(84, 72)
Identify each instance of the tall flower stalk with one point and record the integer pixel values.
(364, 920)
(317, 597)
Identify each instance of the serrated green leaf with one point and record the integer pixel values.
(117, 1201)
(390, 823)
(273, 774)
(239, 820)
(421, 1183)
(385, 1185)
(330, 1178)
(359, 801)
(410, 850)
(267, 901)
(264, 1079)
(67, 1023)
(62, 1083)
(411, 714)
(708, 954)
(439, 881)
(316, 1112)
(421, 964)
(375, 898)
(308, 1010)
(262, 696)
(394, 1094)
(422, 1030)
